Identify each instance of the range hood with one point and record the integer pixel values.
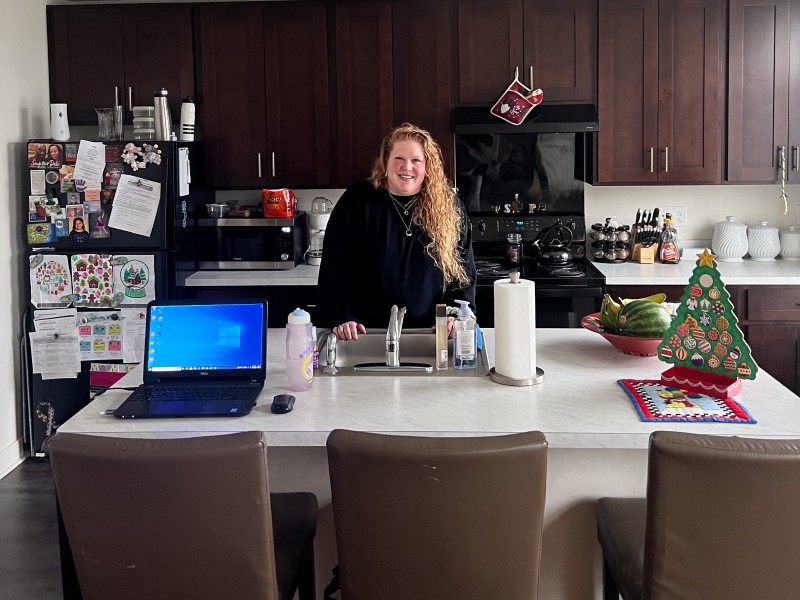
(545, 118)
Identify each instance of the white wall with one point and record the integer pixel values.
(24, 113)
(706, 205)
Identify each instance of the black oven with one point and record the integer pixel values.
(566, 290)
(252, 243)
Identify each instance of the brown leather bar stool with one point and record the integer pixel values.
(433, 518)
(181, 518)
(720, 522)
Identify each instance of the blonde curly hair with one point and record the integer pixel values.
(438, 211)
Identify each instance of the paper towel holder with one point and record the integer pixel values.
(535, 380)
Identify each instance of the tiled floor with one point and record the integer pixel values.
(29, 560)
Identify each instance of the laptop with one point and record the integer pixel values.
(202, 359)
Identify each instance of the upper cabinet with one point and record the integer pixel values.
(660, 91)
(264, 94)
(763, 90)
(554, 40)
(423, 61)
(364, 85)
(99, 55)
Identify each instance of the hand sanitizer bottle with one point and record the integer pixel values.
(465, 355)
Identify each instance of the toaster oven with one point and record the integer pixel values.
(252, 243)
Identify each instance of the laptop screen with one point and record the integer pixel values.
(212, 338)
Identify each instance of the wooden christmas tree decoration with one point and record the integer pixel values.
(704, 341)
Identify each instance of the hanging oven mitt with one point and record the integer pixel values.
(516, 102)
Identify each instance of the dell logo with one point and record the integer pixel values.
(203, 372)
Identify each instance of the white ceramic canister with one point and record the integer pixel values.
(764, 243)
(729, 242)
(59, 125)
(790, 243)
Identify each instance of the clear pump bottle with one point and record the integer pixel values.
(465, 355)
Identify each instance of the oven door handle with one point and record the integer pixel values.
(570, 292)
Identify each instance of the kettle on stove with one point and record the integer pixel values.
(553, 246)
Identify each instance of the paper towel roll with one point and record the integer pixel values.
(515, 328)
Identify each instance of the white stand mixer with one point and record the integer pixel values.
(317, 222)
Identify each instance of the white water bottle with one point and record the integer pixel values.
(186, 133)
(299, 351)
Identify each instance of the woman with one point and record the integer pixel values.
(54, 152)
(402, 237)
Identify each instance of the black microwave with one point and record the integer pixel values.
(252, 243)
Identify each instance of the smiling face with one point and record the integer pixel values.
(405, 169)
(54, 153)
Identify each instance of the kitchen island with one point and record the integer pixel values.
(598, 445)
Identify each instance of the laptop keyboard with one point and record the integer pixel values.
(166, 393)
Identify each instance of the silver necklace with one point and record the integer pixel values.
(404, 207)
(402, 220)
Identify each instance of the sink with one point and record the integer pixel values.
(367, 356)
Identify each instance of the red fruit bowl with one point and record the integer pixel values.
(634, 346)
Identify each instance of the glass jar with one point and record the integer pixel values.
(790, 243)
(514, 249)
(763, 242)
(729, 241)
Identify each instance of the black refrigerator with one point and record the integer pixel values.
(97, 245)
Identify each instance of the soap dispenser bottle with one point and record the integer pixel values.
(465, 355)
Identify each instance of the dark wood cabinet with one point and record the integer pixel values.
(99, 55)
(555, 40)
(660, 91)
(265, 100)
(763, 90)
(364, 85)
(423, 60)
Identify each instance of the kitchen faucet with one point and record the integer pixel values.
(393, 336)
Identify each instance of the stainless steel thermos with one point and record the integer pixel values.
(162, 117)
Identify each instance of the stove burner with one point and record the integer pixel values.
(497, 272)
(567, 272)
(487, 264)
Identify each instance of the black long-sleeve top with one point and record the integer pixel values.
(369, 264)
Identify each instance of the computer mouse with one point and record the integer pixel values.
(282, 403)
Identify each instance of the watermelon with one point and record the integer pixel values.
(643, 318)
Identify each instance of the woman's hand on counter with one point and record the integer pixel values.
(349, 331)
(451, 327)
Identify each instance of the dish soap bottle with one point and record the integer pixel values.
(299, 351)
(465, 353)
(668, 253)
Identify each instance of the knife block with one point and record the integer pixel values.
(645, 255)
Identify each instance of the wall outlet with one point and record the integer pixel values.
(679, 214)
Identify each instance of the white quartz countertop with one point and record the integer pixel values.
(301, 275)
(747, 272)
(578, 405)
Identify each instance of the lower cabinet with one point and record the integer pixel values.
(769, 317)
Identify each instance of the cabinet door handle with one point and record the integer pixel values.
(116, 95)
(273, 164)
(130, 98)
(259, 164)
(531, 78)
(794, 158)
(652, 160)
(666, 159)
